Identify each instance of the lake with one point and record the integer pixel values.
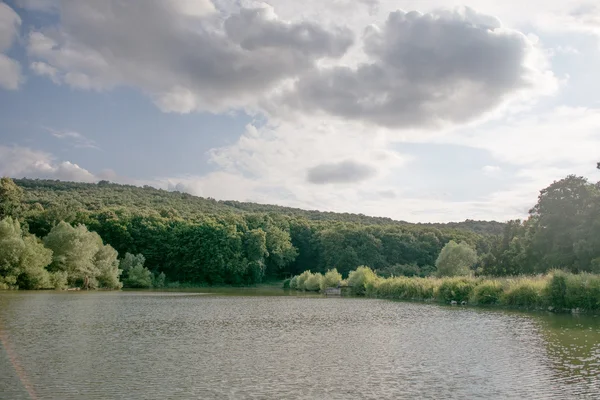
(268, 344)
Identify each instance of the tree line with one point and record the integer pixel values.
(181, 238)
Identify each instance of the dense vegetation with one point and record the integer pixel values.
(557, 291)
(176, 237)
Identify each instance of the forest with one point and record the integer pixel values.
(56, 234)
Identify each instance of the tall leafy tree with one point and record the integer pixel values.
(456, 259)
(22, 258)
(11, 196)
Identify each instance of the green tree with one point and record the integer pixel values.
(134, 273)
(455, 259)
(83, 256)
(10, 198)
(331, 279)
(22, 258)
(139, 277)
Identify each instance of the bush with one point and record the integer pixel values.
(158, 281)
(361, 279)
(331, 279)
(525, 292)
(286, 283)
(58, 280)
(294, 283)
(313, 282)
(407, 288)
(301, 279)
(139, 277)
(456, 289)
(487, 292)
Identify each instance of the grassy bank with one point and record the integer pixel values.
(557, 291)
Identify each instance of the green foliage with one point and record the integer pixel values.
(457, 289)
(301, 280)
(487, 292)
(22, 258)
(294, 283)
(10, 198)
(331, 279)
(406, 288)
(159, 281)
(135, 275)
(456, 259)
(286, 283)
(361, 280)
(569, 291)
(313, 282)
(138, 277)
(82, 255)
(524, 292)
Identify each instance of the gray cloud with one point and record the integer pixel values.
(342, 172)
(424, 70)
(185, 59)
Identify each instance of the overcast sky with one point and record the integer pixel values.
(426, 111)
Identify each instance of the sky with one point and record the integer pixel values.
(423, 111)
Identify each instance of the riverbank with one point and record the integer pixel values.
(558, 291)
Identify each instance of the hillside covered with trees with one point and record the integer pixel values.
(176, 237)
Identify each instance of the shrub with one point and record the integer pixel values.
(455, 289)
(525, 292)
(158, 281)
(58, 280)
(313, 282)
(556, 289)
(294, 283)
(301, 279)
(286, 283)
(332, 278)
(360, 279)
(139, 277)
(487, 292)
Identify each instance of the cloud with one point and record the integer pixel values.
(347, 171)
(10, 69)
(446, 67)
(491, 169)
(573, 17)
(181, 54)
(42, 69)
(77, 138)
(19, 162)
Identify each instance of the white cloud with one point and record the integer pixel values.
(10, 69)
(43, 69)
(77, 138)
(491, 169)
(20, 162)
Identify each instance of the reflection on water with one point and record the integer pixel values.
(151, 345)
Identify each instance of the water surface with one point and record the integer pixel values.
(245, 344)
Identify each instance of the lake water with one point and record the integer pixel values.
(246, 344)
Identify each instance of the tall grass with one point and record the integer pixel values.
(557, 291)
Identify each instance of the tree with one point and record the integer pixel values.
(135, 274)
(10, 198)
(455, 259)
(83, 256)
(332, 278)
(139, 277)
(22, 258)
